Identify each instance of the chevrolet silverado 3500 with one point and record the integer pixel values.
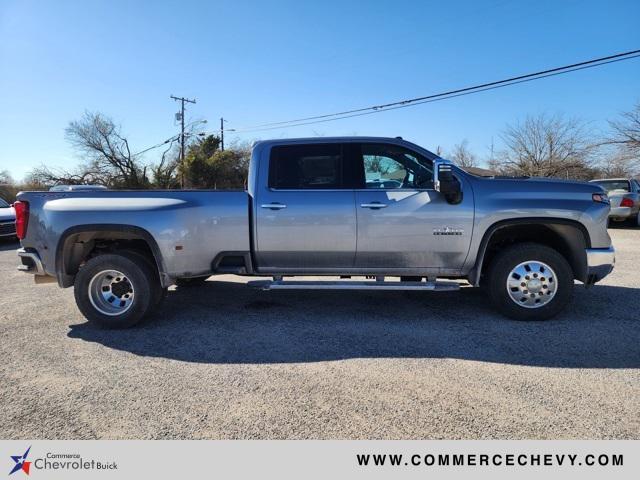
(383, 209)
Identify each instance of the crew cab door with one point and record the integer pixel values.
(403, 223)
(305, 210)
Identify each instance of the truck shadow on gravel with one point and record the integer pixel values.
(226, 322)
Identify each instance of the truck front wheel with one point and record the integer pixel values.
(529, 281)
(115, 290)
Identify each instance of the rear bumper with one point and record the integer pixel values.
(31, 262)
(620, 212)
(600, 262)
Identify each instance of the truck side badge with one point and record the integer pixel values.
(448, 231)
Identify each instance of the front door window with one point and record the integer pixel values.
(393, 167)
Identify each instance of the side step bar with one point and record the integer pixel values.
(342, 285)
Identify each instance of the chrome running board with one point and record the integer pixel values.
(348, 285)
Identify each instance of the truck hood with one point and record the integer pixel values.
(7, 214)
(537, 184)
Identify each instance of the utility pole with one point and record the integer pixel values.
(182, 100)
(222, 134)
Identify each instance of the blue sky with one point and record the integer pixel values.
(255, 62)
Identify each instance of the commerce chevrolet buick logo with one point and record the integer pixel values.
(448, 231)
(59, 461)
(21, 463)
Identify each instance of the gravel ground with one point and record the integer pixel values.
(226, 361)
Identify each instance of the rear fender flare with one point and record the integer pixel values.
(137, 233)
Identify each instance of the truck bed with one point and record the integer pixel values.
(186, 226)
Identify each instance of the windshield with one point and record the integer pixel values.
(611, 185)
(3, 204)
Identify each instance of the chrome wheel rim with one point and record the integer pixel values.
(532, 284)
(111, 292)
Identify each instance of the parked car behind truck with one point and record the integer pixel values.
(7, 220)
(355, 206)
(624, 196)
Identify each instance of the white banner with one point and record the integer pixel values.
(320, 459)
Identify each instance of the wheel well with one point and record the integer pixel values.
(77, 247)
(567, 239)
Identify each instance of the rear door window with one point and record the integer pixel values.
(307, 167)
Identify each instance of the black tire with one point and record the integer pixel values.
(502, 266)
(139, 274)
(191, 282)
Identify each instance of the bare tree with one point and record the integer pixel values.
(626, 131)
(545, 146)
(616, 163)
(47, 176)
(620, 152)
(165, 173)
(7, 186)
(106, 151)
(462, 156)
(6, 178)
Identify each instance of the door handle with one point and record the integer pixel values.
(374, 205)
(273, 206)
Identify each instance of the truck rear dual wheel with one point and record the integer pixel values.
(159, 293)
(117, 290)
(529, 281)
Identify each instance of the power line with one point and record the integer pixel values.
(171, 139)
(168, 149)
(418, 100)
(441, 96)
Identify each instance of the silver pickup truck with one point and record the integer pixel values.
(382, 209)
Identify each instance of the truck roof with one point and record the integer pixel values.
(351, 138)
(345, 139)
